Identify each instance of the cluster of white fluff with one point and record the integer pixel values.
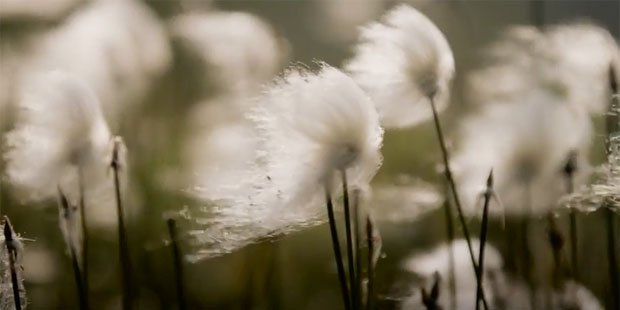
(403, 62)
(527, 145)
(239, 51)
(37, 10)
(307, 126)
(117, 47)
(535, 98)
(60, 133)
(570, 61)
(404, 201)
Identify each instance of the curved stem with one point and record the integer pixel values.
(455, 196)
(349, 238)
(337, 253)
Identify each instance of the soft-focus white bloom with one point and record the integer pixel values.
(307, 125)
(438, 260)
(527, 145)
(572, 61)
(401, 62)
(404, 201)
(239, 50)
(60, 132)
(117, 47)
(42, 10)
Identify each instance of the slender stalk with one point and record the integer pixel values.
(79, 280)
(122, 233)
(483, 238)
(67, 215)
(349, 238)
(336, 245)
(358, 262)
(557, 243)
(178, 263)
(455, 196)
(612, 258)
(12, 253)
(371, 264)
(84, 225)
(450, 239)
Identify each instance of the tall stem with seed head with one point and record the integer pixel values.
(453, 190)
(337, 253)
(371, 264)
(122, 233)
(12, 253)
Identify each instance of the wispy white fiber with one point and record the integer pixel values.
(308, 126)
(59, 134)
(401, 62)
(404, 201)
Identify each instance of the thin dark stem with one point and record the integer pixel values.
(455, 196)
(12, 253)
(178, 263)
(349, 238)
(358, 262)
(450, 238)
(122, 234)
(483, 240)
(371, 264)
(612, 257)
(79, 279)
(336, 245)
(83, 223)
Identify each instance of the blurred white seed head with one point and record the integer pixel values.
(239, 50)
(401, 62)
(404, 201)
(569, 61)
(117, 47)
(527, 145)
(307, 126)
(60, 134)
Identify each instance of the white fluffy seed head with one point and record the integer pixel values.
(60, 129)
(401, 62)
(307, 127)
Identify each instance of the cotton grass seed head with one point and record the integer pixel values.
(60, 130)
(308, 125)
(401, 62)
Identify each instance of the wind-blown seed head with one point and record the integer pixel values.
(59, 132)
(308, 126)
(401, 62)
